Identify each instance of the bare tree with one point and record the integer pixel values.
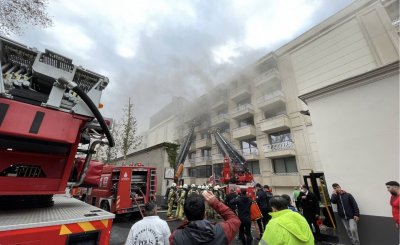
(129, 140)
(16, 14)
(105, 153)
(112, 152)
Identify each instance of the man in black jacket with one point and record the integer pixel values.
(263, 204)
(243, 204)
(232, 195)
(197, 230)
(310, 205)
(348, 211)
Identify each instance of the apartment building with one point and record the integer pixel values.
(345, 71)
(259, 114)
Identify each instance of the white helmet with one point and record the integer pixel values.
(173, 185)
(216, 188)
(193, 186)
(185, 186)
(210, 185)
(180, 187)
(199, 187)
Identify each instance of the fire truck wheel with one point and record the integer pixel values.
(105, 206)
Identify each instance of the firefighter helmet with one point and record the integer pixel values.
(173, 185)
(193, 186)
(185, 186)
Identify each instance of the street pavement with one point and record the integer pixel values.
(122, 225)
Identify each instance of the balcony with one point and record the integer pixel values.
(281, 149)
(219, 105)
(205, 160)
(240, 93)
(275, 124)
(203, 143)
(217, 158)
(270, 78)
(220, 120)
(271, 100)
(249, 155)
(245, 132)
(242, 112)
(203, 126)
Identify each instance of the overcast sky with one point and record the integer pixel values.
(155, 49)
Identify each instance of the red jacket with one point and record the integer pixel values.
(394, 202)
(204, 232)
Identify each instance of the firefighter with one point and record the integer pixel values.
(171, 200)
(192, 190)
(181, 202)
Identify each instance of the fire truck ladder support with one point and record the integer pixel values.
(236, 159)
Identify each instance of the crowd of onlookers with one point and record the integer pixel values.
(281, 222)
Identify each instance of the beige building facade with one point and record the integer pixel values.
(345, 72)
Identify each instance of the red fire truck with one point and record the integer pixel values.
(48, 112)
(123, 189)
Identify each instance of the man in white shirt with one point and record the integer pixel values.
(150, 230)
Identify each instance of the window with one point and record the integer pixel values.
(192, 172)
(203, 171)
(279, 137)
(224, 129)
(192, 156)
(249, 146)
(254, 167)
(218, 170)
(222, 112)
(205, 135)
(284, 165)
(244, 102)
(280, 110)
(205, 152)
(247, 121)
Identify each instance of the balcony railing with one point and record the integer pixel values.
(247, 152)
(266, 75)
(219, 118)
(285, 145)
(270, 96)
(242, 108)
(203, 159)
(216, 157)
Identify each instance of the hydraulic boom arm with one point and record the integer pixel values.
(183, 152)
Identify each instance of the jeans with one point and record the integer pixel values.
(351, 228)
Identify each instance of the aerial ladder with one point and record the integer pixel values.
(183, 152)
(234, 170)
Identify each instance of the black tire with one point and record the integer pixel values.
(105, 206)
